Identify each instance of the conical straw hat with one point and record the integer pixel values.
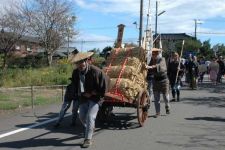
(156, 50)
(80, 56)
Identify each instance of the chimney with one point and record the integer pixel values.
(120, 36)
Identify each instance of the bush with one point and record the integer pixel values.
(56, 75)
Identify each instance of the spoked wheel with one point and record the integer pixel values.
(143, 104)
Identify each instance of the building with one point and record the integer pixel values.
(170, 39)
(22, 46)
(26, 46)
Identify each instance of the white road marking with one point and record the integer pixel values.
(29, 127)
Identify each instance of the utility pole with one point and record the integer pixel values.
(156, 21)
(195, 29)
(197, 21)
(141, 25)
(156, 18)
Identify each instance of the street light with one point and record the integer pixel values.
(156, 19)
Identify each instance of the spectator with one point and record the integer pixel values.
(213, 70)
(175, 73)
(221, 69)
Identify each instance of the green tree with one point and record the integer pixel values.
(205, 50)
(191, 45)
(221, 50)
(106, 51)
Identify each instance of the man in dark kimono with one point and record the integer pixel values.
(91, 84)
(175, 73)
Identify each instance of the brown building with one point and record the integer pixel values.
(26, 46)
(22, 46)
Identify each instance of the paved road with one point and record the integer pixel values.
(197, 122)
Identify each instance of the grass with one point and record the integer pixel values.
(13, 99)
(18, 77)
(58, 74)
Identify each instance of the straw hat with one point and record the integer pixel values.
(80, 56)
(156, 50)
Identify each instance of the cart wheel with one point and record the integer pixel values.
(143, 104)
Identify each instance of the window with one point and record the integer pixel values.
(29, 48)
(17, 47)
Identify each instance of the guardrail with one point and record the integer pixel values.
(29, 97)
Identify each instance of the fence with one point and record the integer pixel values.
(29, 97)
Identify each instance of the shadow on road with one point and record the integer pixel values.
(219, 119)
(209, 101)
(35, 142)
(121, 121)
(207, 94)
(219, 88)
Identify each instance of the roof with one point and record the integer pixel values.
(175, 36)
(24, 38)
(30, 39)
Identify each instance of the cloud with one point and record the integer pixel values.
(178, 17)
(93, 37)
(87, 41)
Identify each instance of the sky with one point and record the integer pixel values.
(97, 20)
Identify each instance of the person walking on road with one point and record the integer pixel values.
(69, 97)
(221, 69)
(91, 84)
(158, 67)
(192, 69)
(213, 70)
(202, 69)
(175, 74)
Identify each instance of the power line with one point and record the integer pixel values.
(216, 33)
(102, 28)
(104, 41)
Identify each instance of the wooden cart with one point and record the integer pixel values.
(115, 97)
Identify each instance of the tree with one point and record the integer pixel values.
(221, 49)
(106, 51)
(205, 50)
(190, 46)
(51, 21)
(12, 25)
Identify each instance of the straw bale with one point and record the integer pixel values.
(118, 61)
(134, 52)
(128, 88)
(129, 72)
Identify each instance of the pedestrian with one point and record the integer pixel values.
(157, 67)
(202, 69)
(175, 73)
(69, 97)
(192, 69)
(221, 69)
(213, 70)
(91, 84)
